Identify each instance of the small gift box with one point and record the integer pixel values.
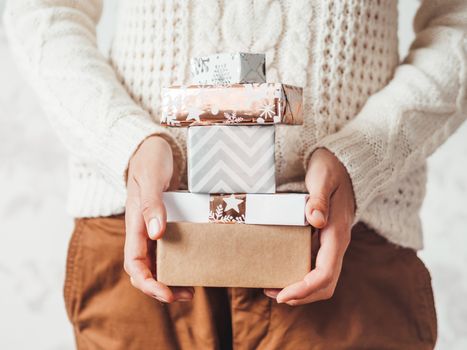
(224, 159)
(228, 68)
(251, 104)
(250, 256)
(261, 209)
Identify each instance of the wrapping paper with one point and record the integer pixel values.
(228, 68)
(223, 159)
(251, 104)
(250, 256)
(258, 209)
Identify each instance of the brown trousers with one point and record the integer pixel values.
(383, 300)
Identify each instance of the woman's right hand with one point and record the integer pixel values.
(150, 173)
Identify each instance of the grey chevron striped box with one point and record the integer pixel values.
(231, 159)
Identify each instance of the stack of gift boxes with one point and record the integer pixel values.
(231, 112)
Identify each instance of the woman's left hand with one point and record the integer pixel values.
(331, 208)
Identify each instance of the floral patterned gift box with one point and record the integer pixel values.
(282, 209)
(234, 240)
(249, 104)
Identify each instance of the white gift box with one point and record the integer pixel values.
(260, 209)
(231, 159)
(228, 68)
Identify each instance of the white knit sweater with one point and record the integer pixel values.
(382, 119)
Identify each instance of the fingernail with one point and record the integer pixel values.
(183, 295)
(280, 299)
(160, 299)
(154, 227)
(317, 215)
(271, 294)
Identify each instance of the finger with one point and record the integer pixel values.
(316, 281)
(320, 185)
(136, 255)
(271, 292)
(136, 265)
(321, 281)
(141, 278)
(183, 293)
(318, 296)
(152, 207)
(139, 254)
(314, 216)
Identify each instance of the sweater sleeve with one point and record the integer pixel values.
(425, 102)
(54, 42)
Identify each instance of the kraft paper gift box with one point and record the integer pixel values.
(250, 256)
(228, 68)
(260, 209)
(237, 159)
(251, 104)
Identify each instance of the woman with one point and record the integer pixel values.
(370, 124)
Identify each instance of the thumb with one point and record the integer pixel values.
(320, 188)
(153, 210)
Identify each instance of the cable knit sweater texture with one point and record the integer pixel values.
(382, 118)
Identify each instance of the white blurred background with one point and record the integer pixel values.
(34, 227)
